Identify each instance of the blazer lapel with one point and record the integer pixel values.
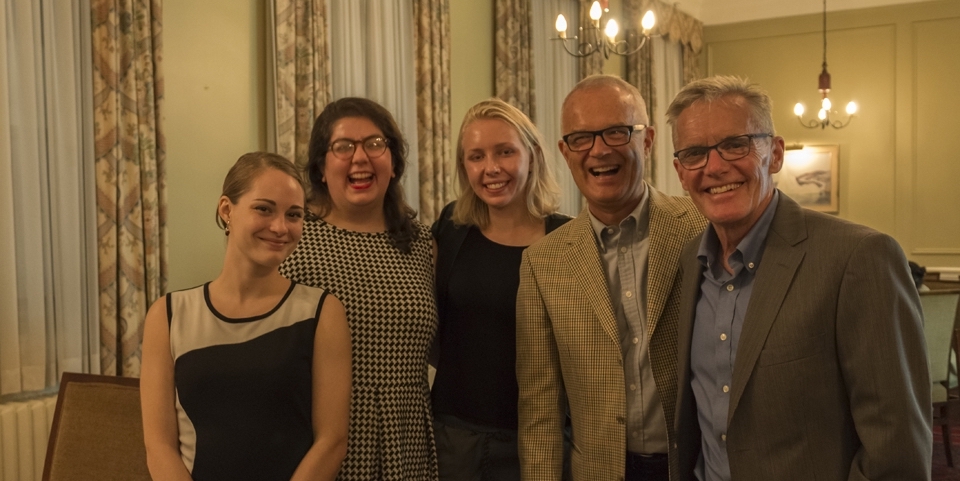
(584, 262)
(663, 257)
(781, 259)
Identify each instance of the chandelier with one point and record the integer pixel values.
(591, 40)
(826, 106)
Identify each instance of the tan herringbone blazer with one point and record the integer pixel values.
(568, 347)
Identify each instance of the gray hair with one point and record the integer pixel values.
(721, 86)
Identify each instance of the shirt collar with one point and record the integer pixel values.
(640, 215)
(750, 248)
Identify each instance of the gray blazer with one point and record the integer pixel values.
(830, 380)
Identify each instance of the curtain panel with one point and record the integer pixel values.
(591, 64)
(302, 74)
(432, 40)
(48, 300)
(513, 56)
(679, 27)
(640, 73)
(131, 192)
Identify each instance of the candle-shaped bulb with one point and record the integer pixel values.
(612, 30)
(648, 21)
(595, 11)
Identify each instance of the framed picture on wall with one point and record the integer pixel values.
(810, 177)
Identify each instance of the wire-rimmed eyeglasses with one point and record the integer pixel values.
(612, 136)
(374, 146)
(730, 149)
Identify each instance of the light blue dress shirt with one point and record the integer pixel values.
(723, 302)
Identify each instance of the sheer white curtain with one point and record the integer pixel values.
(668, 80)
(48, 299)
(555, 74)
(372, 54)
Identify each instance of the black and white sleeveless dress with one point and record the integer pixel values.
(392, 315)
(243, 386)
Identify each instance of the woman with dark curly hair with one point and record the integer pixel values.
(361, 242)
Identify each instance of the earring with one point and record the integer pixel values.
(226, 229)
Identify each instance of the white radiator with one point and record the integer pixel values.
(24, 430)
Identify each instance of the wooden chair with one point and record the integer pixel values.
(97, 431)
(941, 317)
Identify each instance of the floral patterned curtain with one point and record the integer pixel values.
(591, 64)
(131, 191)
(432, 38)
(639, 67)
(514, 54)
(302, 82)
(676, 26)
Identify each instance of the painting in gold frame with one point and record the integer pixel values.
(810, 177)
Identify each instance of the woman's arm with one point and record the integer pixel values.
(331, 395)
(160, 432)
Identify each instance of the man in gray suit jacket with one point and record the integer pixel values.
(801, 353)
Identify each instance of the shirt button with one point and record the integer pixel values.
(636, 340)
(723, 336)
(628, 294)
(633, 387)
(729, 287)
(726, 388)
(623, 249)
(609, 230)
(723, 437)
(750, 265)
(636, 434)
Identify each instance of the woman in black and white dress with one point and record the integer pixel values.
(361, 243)
(248, 376)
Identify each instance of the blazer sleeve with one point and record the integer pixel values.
(542, 402)
(883, 359)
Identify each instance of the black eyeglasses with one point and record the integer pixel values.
(730, 149)
(374, 146)
(612, 136)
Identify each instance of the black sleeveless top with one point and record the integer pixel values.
(477, 282)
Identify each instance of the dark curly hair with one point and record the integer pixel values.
(399, 216)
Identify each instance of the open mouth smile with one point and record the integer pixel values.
(724, 188)
(603, 171)
(360, 179)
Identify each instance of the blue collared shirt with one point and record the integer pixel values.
(623, 252)
(716, 331)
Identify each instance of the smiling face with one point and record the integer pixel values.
(611, 178)
(732, 195)
(358, 183)
(267, 220)
(496, 162)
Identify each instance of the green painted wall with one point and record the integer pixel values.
(214, 112)
(471, 59)
(898, 171)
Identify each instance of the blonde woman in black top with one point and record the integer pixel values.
(508, 200)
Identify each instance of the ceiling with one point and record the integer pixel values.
(715, 12)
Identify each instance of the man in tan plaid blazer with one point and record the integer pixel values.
(598, 304)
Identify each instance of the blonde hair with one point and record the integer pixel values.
(542, 192)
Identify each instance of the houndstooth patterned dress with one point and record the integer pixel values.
(392, 315)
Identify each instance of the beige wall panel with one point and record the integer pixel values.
(936, 197)
(214, 112)
(471, 60)
(787, 66)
